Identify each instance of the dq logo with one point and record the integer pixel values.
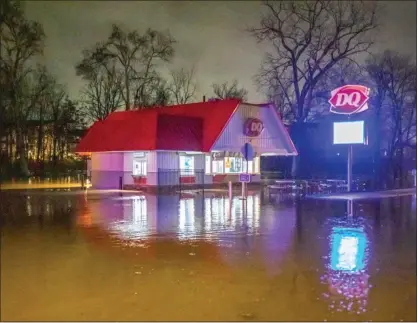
(349, 99)
(253, 127)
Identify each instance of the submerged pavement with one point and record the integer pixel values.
(85, 255)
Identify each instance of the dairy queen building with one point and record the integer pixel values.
(196, 144)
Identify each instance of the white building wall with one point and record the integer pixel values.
(128, 161)
(270, 140)
(112, 161)
(106, 170)
(199, 162)
(152, 168)
(167, 160)
(199, 166)
(168, 166)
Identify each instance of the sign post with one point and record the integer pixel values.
(248, 153)
(349, 167)
(348, 100)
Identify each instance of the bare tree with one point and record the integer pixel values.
(162, 94)
(307, 39)
(135, 57)
(183, 86)
(102, 94)
(230, 91)
(21, 40)
(159, 47)
(395, 74)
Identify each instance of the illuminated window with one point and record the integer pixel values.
(254, 166)
(139, 164)
(207, 164)
(186, 165)
(234, 165)
(218, 166)
(140, 167)
(250, 167)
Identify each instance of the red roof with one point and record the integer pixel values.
(187, 127)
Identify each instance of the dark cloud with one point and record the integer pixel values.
(211, 34)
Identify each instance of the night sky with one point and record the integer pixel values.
(210, 35)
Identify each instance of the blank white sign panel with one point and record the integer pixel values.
(350, 132)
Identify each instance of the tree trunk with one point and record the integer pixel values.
(40, 135)
(54, 151)
(6, 148)
(128, 92)
(11, 145)
(22, 152)
(377, 158)
(401, 173)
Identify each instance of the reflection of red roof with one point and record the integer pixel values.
(190, 127)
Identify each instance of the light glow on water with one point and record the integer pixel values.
(347, 276)
(259, 259)
(348, 248)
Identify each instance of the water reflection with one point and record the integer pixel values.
(146, 215)
(347, 275)
(187, 227)
(227, 224)
(228, 259)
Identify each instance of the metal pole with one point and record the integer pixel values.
(349, 167)
(230, 190)
(350, 207)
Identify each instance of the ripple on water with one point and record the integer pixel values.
(119, 258)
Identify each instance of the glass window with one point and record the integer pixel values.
(207, 164)
(257, 165)
(254, 166)
(250, 167)
(186, 165)
(140, 167)
(234, 165)
(218, 166)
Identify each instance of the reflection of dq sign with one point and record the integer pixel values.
(253, 127)
(349, 99)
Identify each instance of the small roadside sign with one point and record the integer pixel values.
(244, 178)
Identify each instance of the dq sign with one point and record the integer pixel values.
(253, 127)
(349, 99)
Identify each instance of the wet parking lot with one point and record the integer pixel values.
(70, 255)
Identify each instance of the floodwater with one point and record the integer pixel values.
(70, 255)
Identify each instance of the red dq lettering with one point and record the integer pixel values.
(253, 127)
(349, 99)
